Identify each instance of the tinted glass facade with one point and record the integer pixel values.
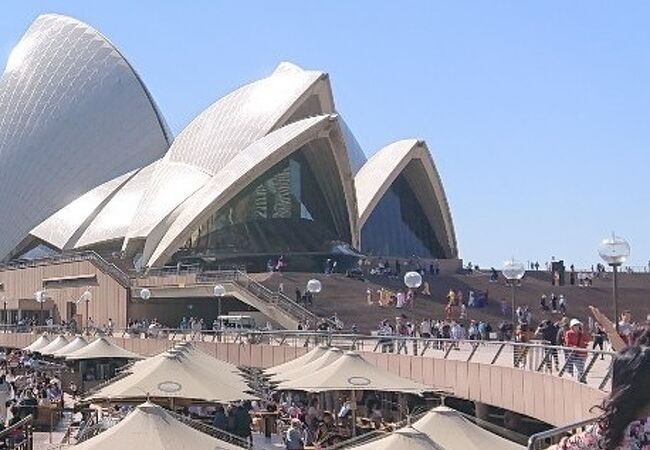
(283, 211)
(399, 227)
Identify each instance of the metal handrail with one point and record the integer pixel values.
(550, 437)
(63, 258)
(26, 443)
(532, 356)
(277, 299)
(210, 430)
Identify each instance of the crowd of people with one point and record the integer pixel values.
(23, 388)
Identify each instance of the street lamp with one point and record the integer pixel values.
(6, 319)
(412, 280)
(86, 297)
(513, 271)
(219, 291)
(314, 286)
(614, 251)
(40, 298)
(145, 294)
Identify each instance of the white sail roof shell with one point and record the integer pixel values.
(377, 175)
(73, 115)
(223, 130)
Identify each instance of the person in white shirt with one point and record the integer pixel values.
(425, 329)
(400, 300)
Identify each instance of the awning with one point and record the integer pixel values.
(449, 428)
(58, 343)
(102, 348)
(327, 358)
(351, 372)
(74, 345)
(406, 438)
(179, 373)
(39, 343)
(150, 427)
(300, 361)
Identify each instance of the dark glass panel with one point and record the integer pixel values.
(283, 211)
(399, 227)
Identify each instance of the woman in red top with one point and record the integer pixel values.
(575, 337)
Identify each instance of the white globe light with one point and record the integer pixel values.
(40, 296)
(413, 280)
(145, 294)
(219, 291)
(87, 295)
(513, 270)
(314, 286)
(614, 250)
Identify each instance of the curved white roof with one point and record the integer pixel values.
(381, 170)
(248, 165)
(59, 229)
(223, 130)
(114, 219)
(73, 115)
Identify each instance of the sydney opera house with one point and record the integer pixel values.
(88, 163)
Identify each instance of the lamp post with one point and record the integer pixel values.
(6, 319)
(86, 297)
(219, 291)
(513, 271)
(614, 251)
(314, 286)
(40, 298)
(412, 280)
(145, 294)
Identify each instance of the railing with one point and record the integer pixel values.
(275, 299)
(18, 436)
(93, 427)
(98, 260)
(587, 366)
(546, 438)
(211, 431)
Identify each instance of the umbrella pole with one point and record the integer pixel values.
(353, 404)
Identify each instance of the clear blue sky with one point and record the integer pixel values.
(537, 113)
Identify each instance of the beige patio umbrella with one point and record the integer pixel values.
(173, 376)
(38, 344)
(190, 355)
(405, 438)
(351, 372)
(59, 342)
(102, 348)
(72, 346)
(150, 427)
(449, 428)
(300, 361)
(327, 358)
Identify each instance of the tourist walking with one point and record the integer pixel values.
(576, 338)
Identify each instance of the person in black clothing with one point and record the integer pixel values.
(548, 332)
(28, 405)
(241, 422)
(599, 339)
(298, 295)
(220, 420)
(554, 302)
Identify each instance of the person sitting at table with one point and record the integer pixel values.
(220, 420)
(345, 414)
(294, 437)
(326, 432)
(376, 416)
